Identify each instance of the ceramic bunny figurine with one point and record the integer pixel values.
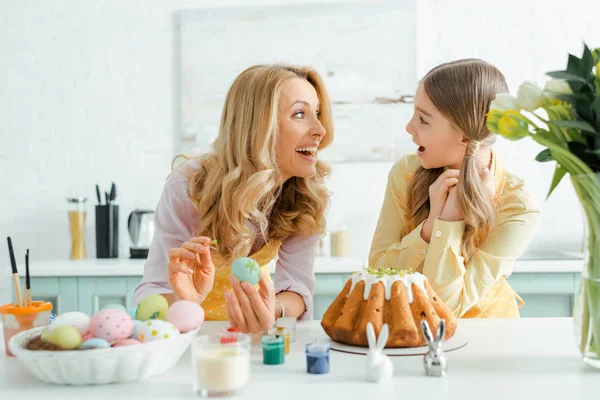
(435, 360)
(379, 365)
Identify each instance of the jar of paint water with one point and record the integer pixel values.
(220, 369)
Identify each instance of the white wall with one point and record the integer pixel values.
(89, 95)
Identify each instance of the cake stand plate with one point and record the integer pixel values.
(458, 341)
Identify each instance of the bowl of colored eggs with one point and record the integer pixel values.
(113, 345)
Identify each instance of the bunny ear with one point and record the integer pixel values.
(427, 332)
(371, 336)
(383, 337)
(441, 331)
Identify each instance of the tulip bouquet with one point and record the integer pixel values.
(564, 117)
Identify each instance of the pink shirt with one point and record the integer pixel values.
(176, 221)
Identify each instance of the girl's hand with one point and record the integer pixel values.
(191, 270)
(439, 190)
(452, 211)
(489, 183)
(438, 197)
(248, 309)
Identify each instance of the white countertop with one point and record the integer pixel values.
(504, 359)
(323, 265)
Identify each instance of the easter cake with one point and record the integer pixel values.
(390, 296)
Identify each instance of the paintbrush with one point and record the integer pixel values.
(211, 243)
(27, 281)
(15, 273)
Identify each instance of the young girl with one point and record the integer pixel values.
(452, 212)
(260, 193)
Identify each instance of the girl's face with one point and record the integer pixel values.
(440, 144)
(300, 131)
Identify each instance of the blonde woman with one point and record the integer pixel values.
(452, 211)
(260, 193)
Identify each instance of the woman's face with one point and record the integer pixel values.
(440, 144)
(300, 131)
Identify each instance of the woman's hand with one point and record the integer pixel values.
(248, 309)
(191, 270)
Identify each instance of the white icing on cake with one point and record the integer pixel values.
(388, 280)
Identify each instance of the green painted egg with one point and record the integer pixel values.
(66, 337)
(246, 270)
(154, 306)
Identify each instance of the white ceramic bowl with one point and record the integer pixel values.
(100, 366)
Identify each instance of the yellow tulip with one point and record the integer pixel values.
(513, 125)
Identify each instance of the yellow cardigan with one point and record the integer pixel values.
(474, 289)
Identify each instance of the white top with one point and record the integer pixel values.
(504, 359)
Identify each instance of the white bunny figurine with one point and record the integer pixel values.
(435, 360)
(379, 365)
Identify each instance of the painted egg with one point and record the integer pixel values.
(87, 336)
(45, 334)
(137, 324)
(185, 315)
(154, 306)
(126, 342)
(111, 325)
(115, 306)
(132, 311)
(73, 318)
(66, 337)
(246, 269)
(94, 343)
(156, 330)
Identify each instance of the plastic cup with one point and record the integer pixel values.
(17, 319)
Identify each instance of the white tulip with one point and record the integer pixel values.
(530, 96)
(557, 86)
(504, 102)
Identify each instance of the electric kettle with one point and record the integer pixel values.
(141, 232)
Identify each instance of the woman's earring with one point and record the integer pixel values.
(463, 145)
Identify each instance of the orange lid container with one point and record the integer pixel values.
(26, 315)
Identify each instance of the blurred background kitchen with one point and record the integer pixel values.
(109, 92)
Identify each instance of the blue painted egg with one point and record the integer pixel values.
(246, 270)
(95, 343)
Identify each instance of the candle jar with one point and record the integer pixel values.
(220, 369)
(17, 319)
(284, 333)
(77, 215)
(317, 358)
(273, 350)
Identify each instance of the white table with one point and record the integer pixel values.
(505, 359)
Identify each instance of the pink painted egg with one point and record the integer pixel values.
(126, 342)
(185, 315)
(111, 325)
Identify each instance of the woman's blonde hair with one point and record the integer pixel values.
(239, 181)
(462, 91)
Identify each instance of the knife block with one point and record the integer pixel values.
(107, 231)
